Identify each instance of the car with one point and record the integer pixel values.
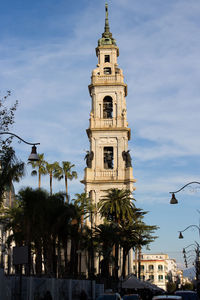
(114, 296)
(187, 295)
(167, 297)
(132, 297)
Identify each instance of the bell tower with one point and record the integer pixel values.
(108, 161)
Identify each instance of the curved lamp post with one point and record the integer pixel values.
(197, 245)
(180, 232)
(33, 156)
(173, 198)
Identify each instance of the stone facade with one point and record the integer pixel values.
(109, 164)
(157, 268)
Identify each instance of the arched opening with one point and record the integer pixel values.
(107, 71)
(107, 58)
(107, 107)
(108, 157)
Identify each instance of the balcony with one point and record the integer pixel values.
(108, 174)
(107, 79)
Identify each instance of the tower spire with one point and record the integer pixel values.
(106, 28)
(107, 38)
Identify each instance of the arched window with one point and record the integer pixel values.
(107, 107)
(108, 157)
(151, 267)
(160, 268)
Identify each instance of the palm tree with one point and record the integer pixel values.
(104, 236)
(39, 168)
(44, 223)
(117, 206)
(51, 169)
(66, 173)
(11, 170)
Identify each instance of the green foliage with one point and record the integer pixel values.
(188, 286)
(6, 113)
(44, 223)
(65, 171)
(10, 167)
(39, 168)
(171, 287)
(117, 205)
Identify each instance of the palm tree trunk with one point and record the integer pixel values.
(38, 259)
(66, 258)
(66, 188)
(39, 179)
(139, 262)
(136, 265)
(116, 260)
(10, 195)
(125, 253)
(51, 184)
(54, 257)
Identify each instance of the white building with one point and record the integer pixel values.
(157, 268)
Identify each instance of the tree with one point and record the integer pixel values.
(143, 238)
(11, 170)
(44, 223)
(51, 169)
(66, 173)
(7, 154)
(103, 235)
(117, 206)
(39, 168)
(6, 114)
(171, 287)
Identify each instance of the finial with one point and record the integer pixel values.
(107, 38)
(107, 29)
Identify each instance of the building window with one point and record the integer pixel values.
(107, 58)
(160, 277)
(107, 107)
(142, 267)
(108, 157)
(160, 268)
(151, 267)
(107, 71)
(151, 277)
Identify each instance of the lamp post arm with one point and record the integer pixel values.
(191, 226)
(191, 245)
(13, 134)
(192, 182)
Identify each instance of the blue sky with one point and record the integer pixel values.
(47, 53)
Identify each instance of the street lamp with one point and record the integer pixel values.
(180, 232)
(173, 198)
(33, 156)
(197, 245)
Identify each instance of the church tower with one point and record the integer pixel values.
(108, 161)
